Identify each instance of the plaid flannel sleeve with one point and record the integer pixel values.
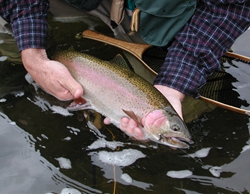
(28, 19)
(197, 48)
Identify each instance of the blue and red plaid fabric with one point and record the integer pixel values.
(28, 19)
(197, 48)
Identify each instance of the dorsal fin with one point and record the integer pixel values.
(119, 60)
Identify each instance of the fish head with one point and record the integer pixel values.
(164, 126)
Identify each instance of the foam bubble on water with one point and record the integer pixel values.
(3, 58)
(60, 110)
(95, 130)
(73, 130)
(179, 174)
(64, 163)
(67, 139)
(1, 41)
(202, 153)
(2, 100)
(102, 143)
(122, 158)
(142, 146)
(126, 178)
(40, 102)
(215, 171)
(245, 148)
(29, 79)
(19, 94)
(70, 191)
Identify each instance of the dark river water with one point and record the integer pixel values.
(45, 149)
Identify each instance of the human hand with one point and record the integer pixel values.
(174, 97)
(51, 75)
(130, 127)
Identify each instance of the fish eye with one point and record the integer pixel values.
(175, 127)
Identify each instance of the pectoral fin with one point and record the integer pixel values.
(79, 104)
(132, 115)
(80, 100)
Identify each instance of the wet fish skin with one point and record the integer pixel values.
(112, 90)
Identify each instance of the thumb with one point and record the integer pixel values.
(74, 88)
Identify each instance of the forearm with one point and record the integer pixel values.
(33, 56)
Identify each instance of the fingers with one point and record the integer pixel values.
(72, 87)
(65, 88)
(106, 121)
(130, 127)
(62, 85)
(124, 123)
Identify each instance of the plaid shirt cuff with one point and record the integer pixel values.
(30, 33)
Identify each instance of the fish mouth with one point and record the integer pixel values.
(176, 142)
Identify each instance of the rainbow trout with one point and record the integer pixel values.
(116, 91)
